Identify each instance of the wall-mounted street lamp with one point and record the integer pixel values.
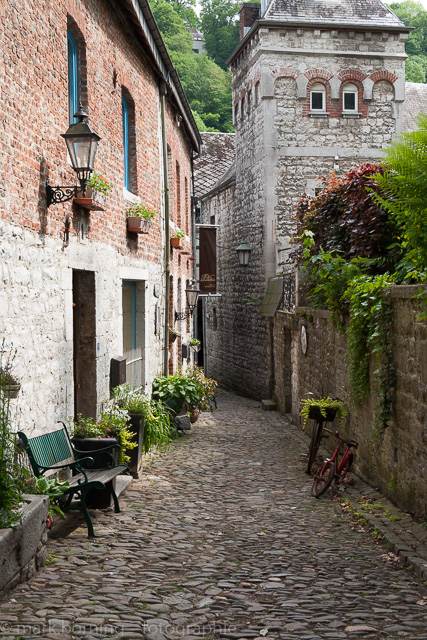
(192, 296)
(82, 143)
(244, 253)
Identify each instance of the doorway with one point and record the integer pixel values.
(133, 309)
(84, 344)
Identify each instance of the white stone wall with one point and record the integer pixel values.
(280, 153)
(36, 318)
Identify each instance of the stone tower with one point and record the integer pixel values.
(318, 85)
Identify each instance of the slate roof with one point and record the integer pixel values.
(340, 12)
(215, 159)
(415, 103)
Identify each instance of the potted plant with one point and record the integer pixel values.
(194, 344)
(95, 198)
(97, 439)
(207, 387)
(133, 401)
(173, 334)
(321, 409)
(178, 392)
(139, 218)
(176, 238)
(9, 383)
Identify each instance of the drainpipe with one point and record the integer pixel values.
(163, 92)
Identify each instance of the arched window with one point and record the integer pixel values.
(73, 87)
(349, 98)
(317, 97)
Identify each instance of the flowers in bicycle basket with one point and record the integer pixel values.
(322, 408)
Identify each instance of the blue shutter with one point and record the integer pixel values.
(72, 78)
(125, 119)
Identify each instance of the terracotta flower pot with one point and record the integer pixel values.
(92, 201)
(194, 415)
(11, 390)
(138, 225)
(176, 243)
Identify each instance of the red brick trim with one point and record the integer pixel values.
(350, 75)
(383, 75)
(319, 74)
(285, 72)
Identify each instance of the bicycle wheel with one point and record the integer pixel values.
(316, 436)
(345, 466)
(323, 479)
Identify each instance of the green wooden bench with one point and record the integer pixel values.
(54, 451)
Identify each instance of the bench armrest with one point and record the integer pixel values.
(70, 465)
(103, 450)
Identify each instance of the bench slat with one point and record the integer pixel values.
(98, 475)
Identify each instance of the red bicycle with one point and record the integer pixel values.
(332, 469)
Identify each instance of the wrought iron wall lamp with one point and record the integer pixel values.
(82, 144)
(192, 296)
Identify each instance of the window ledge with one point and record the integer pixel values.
(346, 114)
(130, 197)
(314, 114)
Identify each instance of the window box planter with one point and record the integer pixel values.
(11, 390)
(173, 335)
(93, 200)
(138, 225)
(176, 243)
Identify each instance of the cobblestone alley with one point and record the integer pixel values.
(221, 539)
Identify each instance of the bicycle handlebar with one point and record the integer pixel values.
(350, 443)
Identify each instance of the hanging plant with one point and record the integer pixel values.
(327, 408)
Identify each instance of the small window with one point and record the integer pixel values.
(125, 123)
(349, 98)
(317, 97)
(242, 108)
(129, 142)
(72, 78)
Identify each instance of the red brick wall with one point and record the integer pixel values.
(34, 106)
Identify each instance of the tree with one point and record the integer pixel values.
(220, 28)
(414, 71)
(404, 196)
(207, 86)
(414, 15)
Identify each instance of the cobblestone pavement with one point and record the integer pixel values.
(221, 539)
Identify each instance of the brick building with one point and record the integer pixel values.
(77, 288)
(317, 86)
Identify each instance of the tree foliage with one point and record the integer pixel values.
(403, 194)
(345, 218)
(413, 14)
(220, 28)
(207, 86)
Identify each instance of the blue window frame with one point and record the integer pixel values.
(125, 119)
(132, 286)
(72, 78)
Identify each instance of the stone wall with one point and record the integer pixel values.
(23, 551)
(397, 465)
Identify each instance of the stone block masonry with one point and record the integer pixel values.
(397, 464)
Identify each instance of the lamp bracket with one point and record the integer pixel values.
(56, 195)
